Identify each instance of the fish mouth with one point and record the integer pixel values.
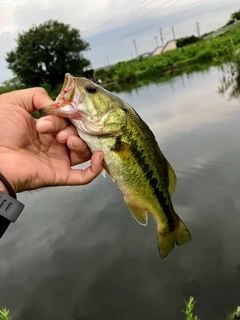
(66, 104)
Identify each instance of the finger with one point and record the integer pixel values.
(63, 135)
(29, 99)
(80, 177)
(79, 151)
(51, 124)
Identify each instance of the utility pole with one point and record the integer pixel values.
(161, 36)
(198, 29)
(135, 46)
(174, 38)
(107, 60)
(156, 41)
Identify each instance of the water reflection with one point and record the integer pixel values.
(230, 81)
(76, 252)
(169, 74)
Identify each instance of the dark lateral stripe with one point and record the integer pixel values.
(159, 194)
(149, 174)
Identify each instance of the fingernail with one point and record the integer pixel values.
(63, 135)
(45, 125)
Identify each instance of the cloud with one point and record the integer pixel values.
(110, 26)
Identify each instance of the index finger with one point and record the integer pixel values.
(29, 99)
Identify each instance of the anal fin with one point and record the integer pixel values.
(139, 214)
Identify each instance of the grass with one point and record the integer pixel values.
(149, 69)
(4, 314)
(188, 312)
(189, 306)
(230, 69)
(137, 72)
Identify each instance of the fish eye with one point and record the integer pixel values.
(91, 88)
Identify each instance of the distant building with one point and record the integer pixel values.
(170, 45)
(157, 51)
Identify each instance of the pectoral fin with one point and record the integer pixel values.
(138, 213)
(124, 152)
(105, 169)
(103, 172)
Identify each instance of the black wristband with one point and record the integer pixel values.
(8, 186)
(10, 210)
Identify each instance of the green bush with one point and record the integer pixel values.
(187, 40)
(205, 55)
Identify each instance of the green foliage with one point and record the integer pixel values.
(187, 40)
(205, 55)
(43, 56)
(231, 49)
(230, 68)
(11, 85)
(234, 16)
(52, 93)
(189, 306)
(4, 314)
(45, 52)
(147, 69)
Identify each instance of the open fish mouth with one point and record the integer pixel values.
(66, 104)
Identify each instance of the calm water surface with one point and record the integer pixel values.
(76, 252)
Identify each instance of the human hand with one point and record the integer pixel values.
(35, 154)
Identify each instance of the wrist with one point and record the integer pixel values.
(7, 186)
(3, 188)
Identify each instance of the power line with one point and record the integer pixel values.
(166, 34)
(164, 6)
(124, 14)
(156, 41)
(178, 13)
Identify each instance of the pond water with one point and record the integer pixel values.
(77, 253)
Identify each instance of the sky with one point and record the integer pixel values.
(112, 26)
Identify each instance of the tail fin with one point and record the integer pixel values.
(167, 240)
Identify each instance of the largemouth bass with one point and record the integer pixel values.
(131, 154)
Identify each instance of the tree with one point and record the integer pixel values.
(46, 52)
(234, 16)
(187, 40)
